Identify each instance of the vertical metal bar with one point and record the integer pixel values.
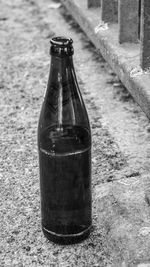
(139, 18)
(94, 3)
(145, 34)
(128, 16)
(109, 10)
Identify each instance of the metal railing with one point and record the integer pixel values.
(133, 18)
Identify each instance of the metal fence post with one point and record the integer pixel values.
(109, 10)
(94, 3)
(128, 18)
(145, 34)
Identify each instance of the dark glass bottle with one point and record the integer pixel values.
(64, 142)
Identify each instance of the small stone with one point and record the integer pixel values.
(144, 231)
(27, 248)
(20, 128)
(111, 72)
(11, 239)
(110, 81)
(91, 245)
(148, 129)
(117, 84)
(147, 197)
(16, 232)
(54, 5)
(110, 178)
(55, 253)
(94, 160)
(143, 265)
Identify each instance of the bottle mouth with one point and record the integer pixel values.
(61, 41)
(61, 46)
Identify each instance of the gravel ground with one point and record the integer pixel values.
(119, 128)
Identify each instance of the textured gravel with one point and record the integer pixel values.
(26, 27)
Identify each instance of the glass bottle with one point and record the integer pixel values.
(64, 144)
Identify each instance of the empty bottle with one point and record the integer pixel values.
(64, 143)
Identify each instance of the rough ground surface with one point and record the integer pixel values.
(121, 158)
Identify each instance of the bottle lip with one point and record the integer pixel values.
(61, 41)
(61, 46)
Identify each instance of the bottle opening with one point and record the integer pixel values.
(61, 41)
(61, 46)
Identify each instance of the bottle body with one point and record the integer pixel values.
(64, 142)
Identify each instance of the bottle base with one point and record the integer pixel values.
(66, 239)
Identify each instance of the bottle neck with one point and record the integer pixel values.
(62, 89)
(61, 63)
(62, 69)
